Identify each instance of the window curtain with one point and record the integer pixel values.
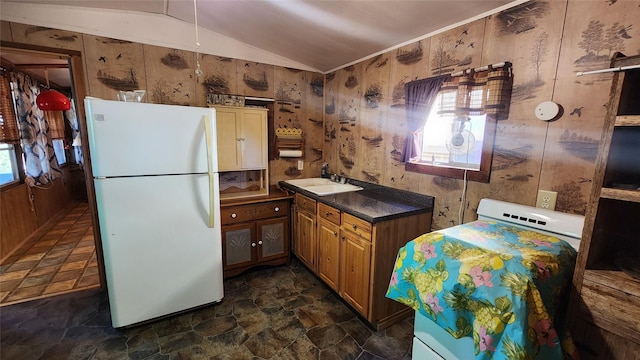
(40, 159)
(419, 97)
(485, 92)
(55, 119)
(8, 123)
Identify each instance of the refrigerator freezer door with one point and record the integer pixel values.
(130, 139)
(160, 255)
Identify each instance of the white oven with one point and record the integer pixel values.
(431, 342)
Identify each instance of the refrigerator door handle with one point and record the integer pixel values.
(207, 133)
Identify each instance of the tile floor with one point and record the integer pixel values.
(273, 313)
(59, 258)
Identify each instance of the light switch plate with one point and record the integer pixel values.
(546, 199)
(300, 165)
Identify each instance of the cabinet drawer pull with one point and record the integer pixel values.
(253, 244)
(355, 227)
(260, 242)
(342, 238)
(276, 209)
(328, 213)
(335, 233)
(233, 216)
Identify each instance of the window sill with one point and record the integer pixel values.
(8, 186)
(481, 175)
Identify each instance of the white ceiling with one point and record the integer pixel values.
(321, 34)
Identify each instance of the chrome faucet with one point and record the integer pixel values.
(339, 179)
(324, 173)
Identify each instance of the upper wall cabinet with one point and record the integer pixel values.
(242, 138)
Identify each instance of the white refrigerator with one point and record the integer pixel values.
(157, 194)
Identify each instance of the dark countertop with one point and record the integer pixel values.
(374, 203)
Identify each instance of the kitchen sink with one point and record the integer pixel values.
(322, 186)
(309, 182)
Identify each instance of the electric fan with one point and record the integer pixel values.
(461, 142)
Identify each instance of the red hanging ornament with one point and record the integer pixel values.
(53, 100)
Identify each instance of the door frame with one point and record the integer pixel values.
(79, 91)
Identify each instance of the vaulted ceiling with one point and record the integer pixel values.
(320, 34)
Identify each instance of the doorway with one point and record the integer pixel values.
(62, 254)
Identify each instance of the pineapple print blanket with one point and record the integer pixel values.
(505, 287)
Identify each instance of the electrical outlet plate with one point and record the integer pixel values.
(546, 199)
(300, 165)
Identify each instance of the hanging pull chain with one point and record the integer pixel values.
(195, 14)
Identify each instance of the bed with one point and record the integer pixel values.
(495, 288)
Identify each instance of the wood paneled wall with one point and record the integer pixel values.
(16, 217)
(21, 217)
(547, 42)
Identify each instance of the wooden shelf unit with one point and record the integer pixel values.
(608, 296)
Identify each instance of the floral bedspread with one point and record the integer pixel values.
(506, 287)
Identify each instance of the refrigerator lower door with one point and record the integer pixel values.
(160, 254)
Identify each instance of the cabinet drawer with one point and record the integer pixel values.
(235, 214)
(328, 213)
(305, 203)
(356, 225)
(271, 209)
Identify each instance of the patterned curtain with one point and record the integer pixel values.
(486, 92)
(8, 123)
(40, 159)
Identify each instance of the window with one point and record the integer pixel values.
(58, 148)
(452, 141)
(452, 144)
(456, 137)
(8, 165)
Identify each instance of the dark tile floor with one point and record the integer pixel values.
(274, 313)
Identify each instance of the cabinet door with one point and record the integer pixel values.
(254, 135)
(355, 260)
(238, 244)
(273, 239)
(228, 136)
(306, 238)
(329, 252)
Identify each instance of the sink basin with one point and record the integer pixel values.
(322, 186)
(309, 182)
(334, 188)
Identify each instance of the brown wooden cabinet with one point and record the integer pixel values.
(355, 270)
(329, 245)
(254, 234)
(305, 229)
(354, 257)
(607, 274)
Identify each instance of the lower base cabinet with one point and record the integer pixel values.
(353, 257)
(254, 234)
(329, 253)
(355, 267)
